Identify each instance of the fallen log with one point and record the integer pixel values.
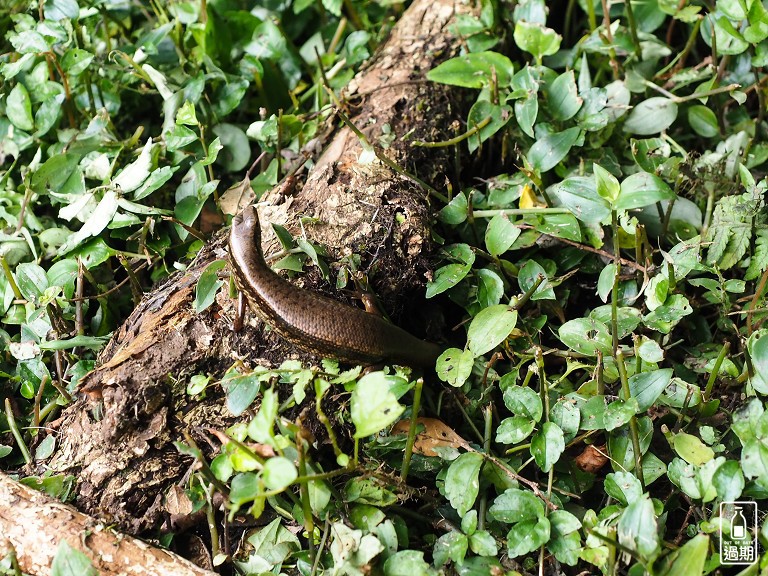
(33, 527)
(118, 441)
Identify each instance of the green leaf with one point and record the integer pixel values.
(619, 413)
(757, 31)
(54, 172)
(76, 61)
(31, 280)
(563, 100)
(186, 115)
(567, 548)
(500, 234)
(689, 559)
(208, 285)
(692, 449)
(454, 366)
(547, 152)
(637, 529)
(703, 121)
(558, 225)
(455, 212)
(666, 317)
(642, 189)
(474, 70)
(18, 108)
(261, 426)
(547, 445)
(462, 481)
(241, 391)
(69, 561)
(526, 112)
(244, 488)
(586, 336)
(61, 10)
(483, 543)
(536, 39)
(623, 486)
(480, 111)
(579, 195)
(490, 287)
(515, 505)
(728, 481)
(757, 348)
(649, 350)
(529, 275)
(646, 387)
(95, 222)
(605, 281)
(45, 448)
(179, 137)
(156, 179)
(565, 413)
(373, 405)
(523, 401)
(527, 536)
(490, 328)
(451, 546)
(514, 430)
(607, 184)
(651, 116)
(656, 292)
(236, 150)
(448, 276)
(133, 175)
(279, 473)
(28, 42)
(408, 563)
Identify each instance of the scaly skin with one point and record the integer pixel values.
(313, 322)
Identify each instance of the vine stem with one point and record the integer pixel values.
(633, 431)
(412, 429)
(456, 140)
(12, 426)
(616, 276)
(618, 355)
(716, 371)
(383, 158)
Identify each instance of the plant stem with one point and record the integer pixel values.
(309, 521)
(615, 290)
(519, 303)
(11, 280)
(456, 140)
(633, 29)
(518, 212)
(715, 371)
(633, 432)
(15, 431)
(412, 429)
(488, 432)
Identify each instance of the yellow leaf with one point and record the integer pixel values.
(528, 199)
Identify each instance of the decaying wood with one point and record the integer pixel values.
(118, 440)
(33, 525)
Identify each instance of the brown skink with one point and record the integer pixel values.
(313, 322)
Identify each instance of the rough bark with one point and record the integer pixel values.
(33, 526)
(118, 440)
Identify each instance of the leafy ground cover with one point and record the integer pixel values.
(611, 278)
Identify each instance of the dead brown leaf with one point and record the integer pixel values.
(436, 433)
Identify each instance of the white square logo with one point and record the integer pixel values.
(738, 533)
